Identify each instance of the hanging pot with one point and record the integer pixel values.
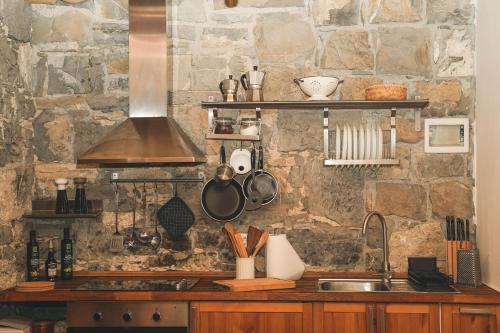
(264, 182)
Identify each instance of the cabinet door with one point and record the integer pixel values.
(251, 317)
(414, 318)
(465, 318)
(344, 318)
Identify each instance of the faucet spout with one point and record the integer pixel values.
(387, 266)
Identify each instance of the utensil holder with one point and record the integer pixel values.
(245, 268)
(469, 268)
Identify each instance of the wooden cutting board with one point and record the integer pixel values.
(256, 284)
(33, 287)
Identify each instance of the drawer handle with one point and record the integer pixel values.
(477, 311)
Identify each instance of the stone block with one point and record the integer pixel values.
(354, 87)
(270, 45)
(440, 165)
(16, 15)
(190, 10)
(451, 11)
(61, 24)
(113, 10)
(336, 12)
(456, 52)
(451, 198)
(69, 74)
(300, 130)
(54, 137)
(400, 199)
(446, 97)
(425, 240)
(347, 50)
(382, 11)
(404, 51)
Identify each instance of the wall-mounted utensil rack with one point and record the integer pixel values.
(46, 209)
(327, 106)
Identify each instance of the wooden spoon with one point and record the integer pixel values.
(236, 240)
(261, 243)
(253, 236)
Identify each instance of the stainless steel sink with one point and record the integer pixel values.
(363, 285)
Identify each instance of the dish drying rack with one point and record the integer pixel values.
(387, 158)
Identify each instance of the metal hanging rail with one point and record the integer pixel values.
(158, 180)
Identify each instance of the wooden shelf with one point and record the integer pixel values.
(319, 105)
(45, 209)
(361, 162)
(232, 137)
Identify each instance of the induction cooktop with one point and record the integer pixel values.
(139, 285)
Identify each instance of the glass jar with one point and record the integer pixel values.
(249, 126)
(81, 206)
(62, 204)
(224, 126)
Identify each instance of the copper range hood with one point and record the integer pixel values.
(148, 136)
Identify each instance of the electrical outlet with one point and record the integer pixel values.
(114, 175)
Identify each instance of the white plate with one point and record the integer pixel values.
(374, 142)
(337, 142)
(344, 144)
(380, 142)
(355, 143)
(349, 142)
(362, 142)
(368, 144)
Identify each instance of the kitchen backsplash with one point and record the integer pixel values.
(75, 65)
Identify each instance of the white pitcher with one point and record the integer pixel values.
(282, 261)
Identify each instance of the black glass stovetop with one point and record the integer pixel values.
(139, 285)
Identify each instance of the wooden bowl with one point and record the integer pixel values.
(386, 92)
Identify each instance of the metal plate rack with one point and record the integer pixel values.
(327, 106)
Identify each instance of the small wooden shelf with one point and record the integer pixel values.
(232, 137)
(386, 162)
(45, 209)
(319, 105)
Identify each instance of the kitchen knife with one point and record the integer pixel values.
(467, 233)
(449, 247)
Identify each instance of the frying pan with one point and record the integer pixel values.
(223, 201)
(265, 182)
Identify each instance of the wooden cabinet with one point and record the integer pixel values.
(250, 317)
(463, 318)
(376, 318)
(415, 318)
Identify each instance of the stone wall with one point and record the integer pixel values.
(79, 79)
(16, 132)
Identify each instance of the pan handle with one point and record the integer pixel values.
(222, 154)
(261, 158)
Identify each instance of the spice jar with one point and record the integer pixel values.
(224, 126)
(80, 197)
(249, 126)
(62, 204)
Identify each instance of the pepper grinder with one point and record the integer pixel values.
(80, 197)
(62, 204)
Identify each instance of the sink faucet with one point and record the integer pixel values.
(387, 267)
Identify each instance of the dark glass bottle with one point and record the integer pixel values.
(62, 204)
(33, 258)
(81, 206)
(51, 264)
(66, 256)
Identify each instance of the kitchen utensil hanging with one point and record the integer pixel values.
(175, 216)
(156, 238)
(144, 236)
(240, 160)
(116, 242)
(130, 241)
(224, 172)
(223, 201)
(254, 197)
(265, 183)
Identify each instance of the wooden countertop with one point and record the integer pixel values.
(205, 290)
